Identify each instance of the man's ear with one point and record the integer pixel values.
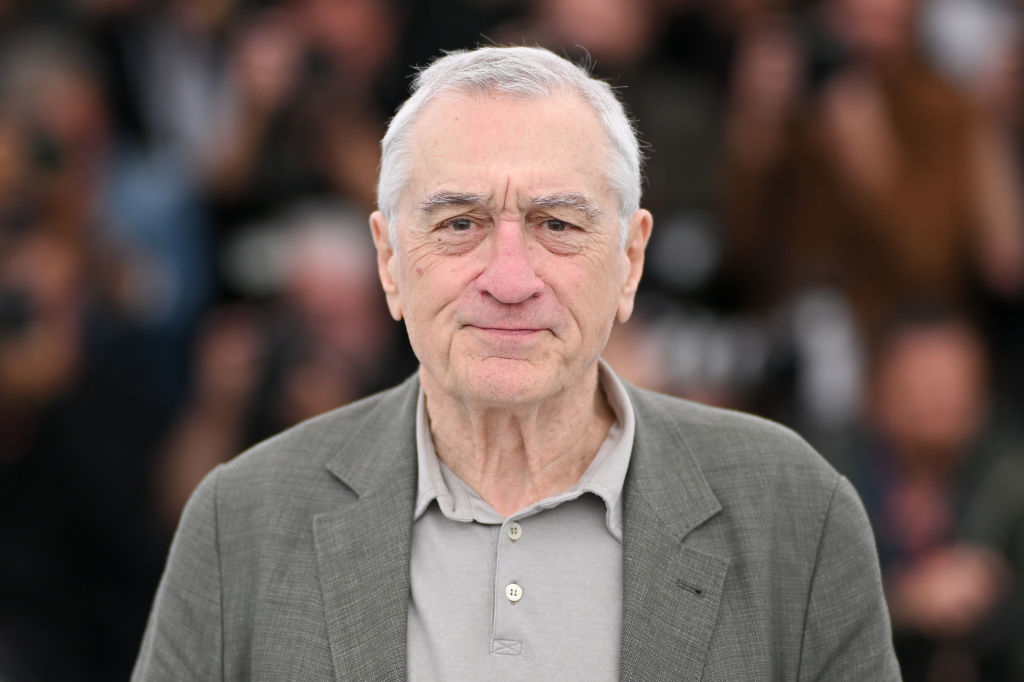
(638, 232)
(386, 262)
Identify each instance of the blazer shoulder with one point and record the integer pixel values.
(308, 446)
(726, 443)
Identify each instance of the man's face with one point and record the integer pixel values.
(507, 265)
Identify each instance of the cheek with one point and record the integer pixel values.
(591, 294)
(430, 283)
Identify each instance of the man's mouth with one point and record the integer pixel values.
(507, 331)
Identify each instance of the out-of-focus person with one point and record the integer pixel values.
(853, 163)
(93, 303)
(78, 561)
(981, 46)
(942, 480)
(138, 216)
(312, 85)
(166, 74)
(321, 341)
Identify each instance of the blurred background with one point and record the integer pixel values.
(185, 269)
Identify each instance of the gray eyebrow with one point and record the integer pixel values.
(571, 200)
(440, 200)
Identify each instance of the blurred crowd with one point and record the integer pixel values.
(185, 269)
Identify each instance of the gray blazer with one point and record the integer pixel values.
(746, 556)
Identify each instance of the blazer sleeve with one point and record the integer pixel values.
(183, 639)
(847, 634)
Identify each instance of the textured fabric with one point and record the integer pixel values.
(745, 556)
(568, 562)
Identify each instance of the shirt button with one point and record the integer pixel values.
(515, 531)
(513, 592)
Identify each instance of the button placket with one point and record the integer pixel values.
(511, 584)
(513, 590)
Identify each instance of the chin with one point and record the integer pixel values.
(503, 382)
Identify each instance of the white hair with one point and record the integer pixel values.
(520, 72)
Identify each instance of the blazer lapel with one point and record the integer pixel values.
(671, 585)
(362, 546)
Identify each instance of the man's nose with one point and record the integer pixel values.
(510, 275)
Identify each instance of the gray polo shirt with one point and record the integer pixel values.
(534, 596)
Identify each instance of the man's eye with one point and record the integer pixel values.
(460, 224)
(556, 225)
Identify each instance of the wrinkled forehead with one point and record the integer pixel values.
(483, 142)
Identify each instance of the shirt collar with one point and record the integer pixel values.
(604, 476)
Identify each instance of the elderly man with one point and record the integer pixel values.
(514, 511)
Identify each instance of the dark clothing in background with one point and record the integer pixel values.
(80, 561)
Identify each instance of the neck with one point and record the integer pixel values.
(515, 456)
